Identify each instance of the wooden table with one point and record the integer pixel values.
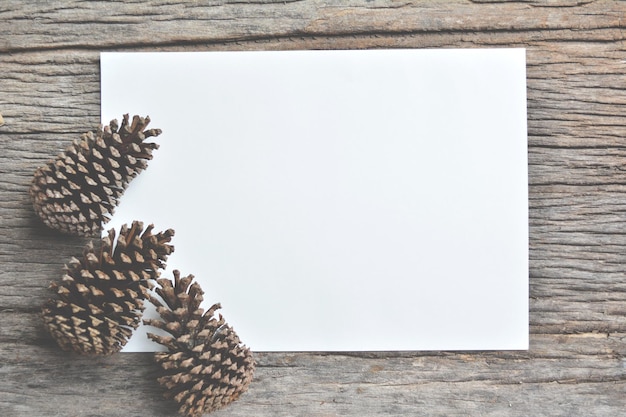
(576, 51)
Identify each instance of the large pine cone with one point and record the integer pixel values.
(78, 191)
(99, 300)
(206, 367)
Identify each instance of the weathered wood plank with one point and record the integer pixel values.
(586, 368)
(49, 94)
(75, 24)
(561, 375)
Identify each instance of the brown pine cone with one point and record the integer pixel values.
(99, 300)
(206, 367)
(78, 191)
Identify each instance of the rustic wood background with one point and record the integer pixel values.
(576, 51)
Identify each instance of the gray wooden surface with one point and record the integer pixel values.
(576, 365)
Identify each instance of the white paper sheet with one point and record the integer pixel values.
(339, 200)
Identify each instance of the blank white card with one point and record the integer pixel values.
(339, 200)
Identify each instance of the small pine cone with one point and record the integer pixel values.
(99, 300)
(206, 367)
(78, 191)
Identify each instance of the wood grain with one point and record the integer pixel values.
(576, 53)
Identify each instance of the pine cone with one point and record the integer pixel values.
(78, 192)
(206, 366)
(99, 300)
